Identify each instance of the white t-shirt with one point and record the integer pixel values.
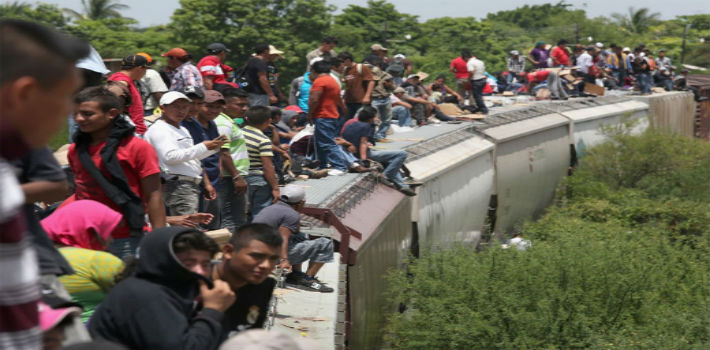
(477, 67)
(584, 61)
(153, 83)
(176, 152)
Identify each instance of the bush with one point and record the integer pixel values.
(620, 263)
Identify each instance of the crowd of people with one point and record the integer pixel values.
(613, 67)
(119, 252)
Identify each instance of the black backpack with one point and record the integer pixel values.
(241, 78)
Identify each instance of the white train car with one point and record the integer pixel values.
(589, 117)
(457, 175)
(532, 155)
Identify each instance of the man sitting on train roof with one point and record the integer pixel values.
(296, 247)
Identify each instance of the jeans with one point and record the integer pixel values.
(319, 250)
(234, 206)
(477, 89)
(384, 107)
(392, 161)
(644, 80)
(403, 116)
(350, 158)
(441, 116)
(259, 193)
(326, 149)
(181, 197)
(664, 82)
(123, 247)
(258, 100)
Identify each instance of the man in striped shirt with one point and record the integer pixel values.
(263, 186)
(37, 79)
(234, 160)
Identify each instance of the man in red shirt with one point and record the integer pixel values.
(214, 72)
(458, 67)
(133, 68)
(114, 167)
(560, 55)
(323, 103)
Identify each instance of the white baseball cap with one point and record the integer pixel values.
(172, 96)
(292, 194)
(314, 60)
(600, 45)
(514, 52)
(399, 55)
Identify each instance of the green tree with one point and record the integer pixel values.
(531, 17)
(98, 9)
(47, 14)
(359, 27)
(115, 37)
(293, 26)
(636, 21)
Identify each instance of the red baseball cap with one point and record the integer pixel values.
(175, 52)
(294, 108)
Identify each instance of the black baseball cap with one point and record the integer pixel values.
(134, 61)
(217, 48)
(193, 92)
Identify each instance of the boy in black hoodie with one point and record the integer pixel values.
(155, 307)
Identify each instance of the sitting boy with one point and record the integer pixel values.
(359, 134)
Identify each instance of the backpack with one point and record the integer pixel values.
(241, 78)
(396, 68)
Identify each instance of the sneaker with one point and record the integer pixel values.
(335, 172)
(408, 191)
(312, 284)
(317, 174)
(359, 169)
(412, 183)
(295, 277)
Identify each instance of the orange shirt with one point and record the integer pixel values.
(328, 105)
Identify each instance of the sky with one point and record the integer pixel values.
(149, 13)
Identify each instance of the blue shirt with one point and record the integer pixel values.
(355, 132)
(199, 134)
(305, 92)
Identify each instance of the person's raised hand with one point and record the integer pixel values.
(220, 297)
